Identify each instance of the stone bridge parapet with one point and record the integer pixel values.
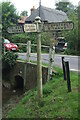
(18, 72)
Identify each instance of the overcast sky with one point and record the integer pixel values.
(22, 5)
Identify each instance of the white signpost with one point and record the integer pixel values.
(30, 28)
(19, 29)
(15, 29)
(47, 27)
(68, 25)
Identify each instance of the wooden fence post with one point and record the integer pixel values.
(28, 51)
(51, 60)
(68, 76)
(63, 66)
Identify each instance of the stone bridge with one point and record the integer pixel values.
(19, 79)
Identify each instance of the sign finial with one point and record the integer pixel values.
(39, 7)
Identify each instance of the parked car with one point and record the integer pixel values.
(10, 46)
(61, 44)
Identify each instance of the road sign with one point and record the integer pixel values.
(58, 26)
(30, 28)
(15, 29)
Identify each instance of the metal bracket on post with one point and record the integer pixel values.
(51, 61)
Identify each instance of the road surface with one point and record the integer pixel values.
(73, 60)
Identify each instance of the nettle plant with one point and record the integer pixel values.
(9, 60)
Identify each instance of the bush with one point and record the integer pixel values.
(2, 45)
(9, 60)
(71, 52)
(21, 48)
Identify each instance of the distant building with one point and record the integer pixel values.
(23, 19)
(32, 9)
(47, 15)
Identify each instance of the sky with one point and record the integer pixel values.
(22, 5)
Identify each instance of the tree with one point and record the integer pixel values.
(24, 13)
(64, 6)
(71, 36)
(79, 28)
(0, 14)
(9, 16)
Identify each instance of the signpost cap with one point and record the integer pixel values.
(37, 19)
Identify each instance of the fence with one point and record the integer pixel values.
(50, 61)
(51, 56)
(65, 64)
(66, 72)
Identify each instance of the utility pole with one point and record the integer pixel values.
(39, 7)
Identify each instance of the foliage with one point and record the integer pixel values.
(58, 103)
(24, 13)
(9, 60)
(64, 6)
(79, 28)
(71, 52)
(0, 13)
(47, 38)
(24, 37)
(2, 45)
(9, 16)
(71, 36)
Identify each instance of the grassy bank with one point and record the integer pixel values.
(57, 102)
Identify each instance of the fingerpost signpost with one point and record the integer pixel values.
(39, 27)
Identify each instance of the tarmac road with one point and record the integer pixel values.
(74, 62)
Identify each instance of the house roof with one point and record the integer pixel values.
(48, 15)
(23, 18)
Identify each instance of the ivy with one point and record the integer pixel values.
(9, 60)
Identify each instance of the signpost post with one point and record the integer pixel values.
(39, 64)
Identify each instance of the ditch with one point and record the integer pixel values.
(10, 97)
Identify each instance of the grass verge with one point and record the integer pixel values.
(57, 102)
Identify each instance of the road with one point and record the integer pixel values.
(73, 60)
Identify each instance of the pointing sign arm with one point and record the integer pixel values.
(58, 26)
(30, 28)
(15, 29)
(68, 25)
